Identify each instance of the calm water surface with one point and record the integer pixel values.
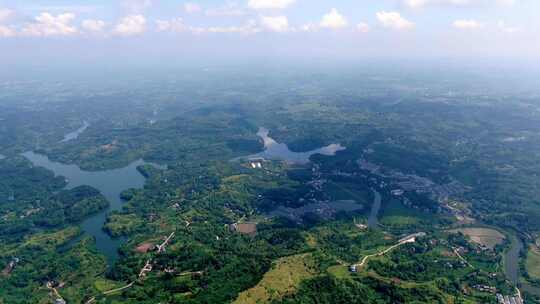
(511, 265)
(511, 260)
(109, 182)
(275, 150)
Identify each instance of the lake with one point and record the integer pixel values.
(279, 151)
(109, 182)
(73, 135)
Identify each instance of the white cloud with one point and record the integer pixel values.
(174, 25)
(49, 25)
(506, 2)
(178, 26)
(309, 27)
(230, 9)
(394, 20)
(275, 24)
(501, 25)
(363, 27)
(131, 25)
(5, 14)
(463, 3)
(6, 31)
(92, 25)
(423, 3)
(136, 6)
(467, 24)
(333, 20)
(224, 12)
(270, 4)
(192, 8)
(249, 28)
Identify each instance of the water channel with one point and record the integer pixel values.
(109, 182)
(511, 265)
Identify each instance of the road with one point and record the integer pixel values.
(408, 239)
(462, 258)
(146, 268)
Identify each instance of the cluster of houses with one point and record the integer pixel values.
(485, 288)
(10, 266)
(516, 299)
(53, 285)
(412, 182)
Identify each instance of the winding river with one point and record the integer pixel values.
(511, 265)
(109, 182)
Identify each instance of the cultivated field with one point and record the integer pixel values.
(483, 236)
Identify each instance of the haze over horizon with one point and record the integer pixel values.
(153, 31)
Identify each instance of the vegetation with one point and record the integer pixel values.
(533, 263)
(281, 280)
(435, 147)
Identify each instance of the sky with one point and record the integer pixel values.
(165, 31)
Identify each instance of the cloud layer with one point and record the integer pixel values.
(131, 25)
(270, 4)
(49, 25)
(334, 20)
(394, 20)
(238, 16)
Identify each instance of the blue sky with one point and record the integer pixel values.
(146, 30)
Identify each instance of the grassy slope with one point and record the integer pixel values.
(533, 262)
(484, 236)
(284, 277)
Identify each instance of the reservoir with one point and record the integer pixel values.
(73, 135)
(109, 182)
(279, 151)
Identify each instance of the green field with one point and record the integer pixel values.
(483, 236)
(533, 262)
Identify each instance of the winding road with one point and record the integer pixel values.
(408, 239)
